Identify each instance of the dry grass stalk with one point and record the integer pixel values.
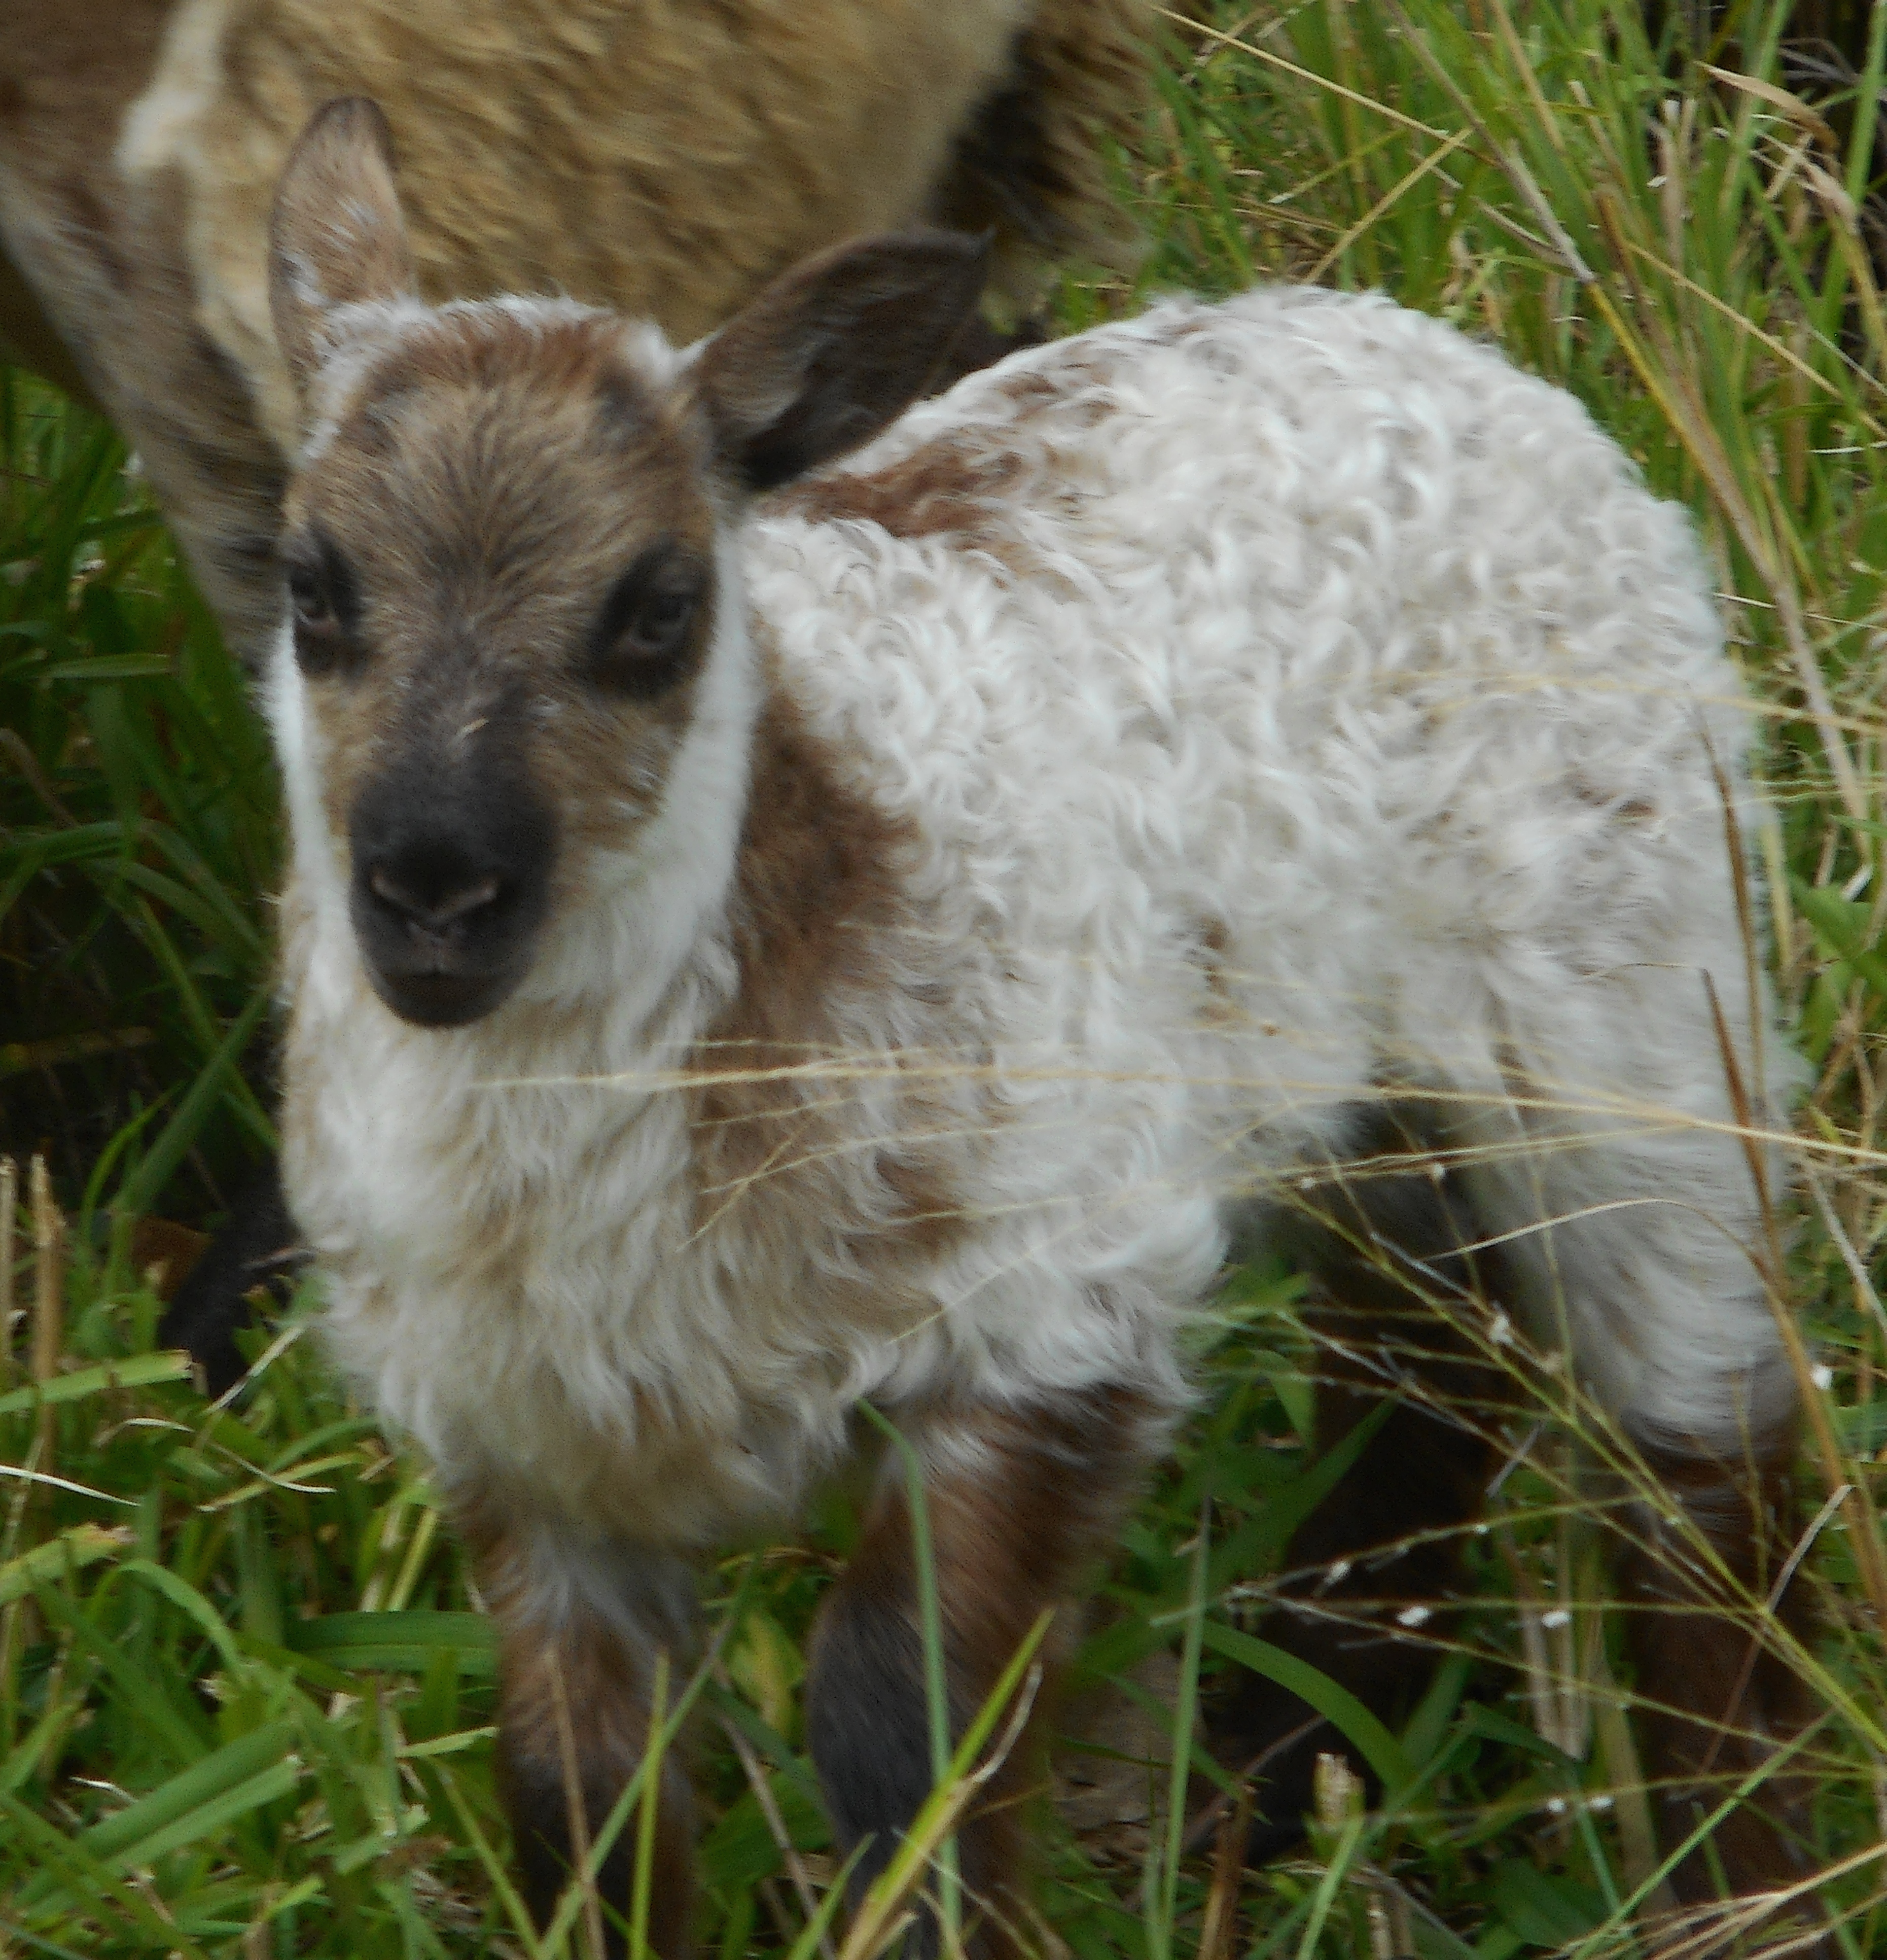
(9, 1202)
(578, 1821)
(1866, 1542)
(1625, 1783)
(1219, 1934)
(1336, 1792)
(1337, 1796)
(1558, 1712)
(756, 1775)
(49, 1299)
(1675, 389)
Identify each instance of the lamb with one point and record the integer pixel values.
(794, 902)
(669, 160)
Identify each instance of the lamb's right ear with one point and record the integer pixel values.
(838, 346)
(336, 236)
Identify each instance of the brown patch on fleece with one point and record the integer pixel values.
(819, 916)
(1220, 1007)
(946, 489)
(1013, 457)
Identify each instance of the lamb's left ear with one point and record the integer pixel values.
(336, 236)
(832, 352)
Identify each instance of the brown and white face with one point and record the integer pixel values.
(507, 561)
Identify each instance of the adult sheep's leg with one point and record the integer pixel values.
(1019, 1500)
(580, 1628)
(1401, 1310)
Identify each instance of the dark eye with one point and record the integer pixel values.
(660, 623)
(314, 610)
(322, 606)
(646, 628)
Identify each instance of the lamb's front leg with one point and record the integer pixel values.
(580, 1626)
(1020, 1499)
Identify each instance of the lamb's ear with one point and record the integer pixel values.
(829, 354)
(336, 236)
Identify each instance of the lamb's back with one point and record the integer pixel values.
(1304, 614)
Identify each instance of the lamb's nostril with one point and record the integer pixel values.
(433, 909)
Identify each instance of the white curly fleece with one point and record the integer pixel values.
(1294, 704)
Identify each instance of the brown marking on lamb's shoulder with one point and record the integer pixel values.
(946, 489)
(954, 492)
(1031, 390)
(961, 485)
(1079, 369)
(818, 911)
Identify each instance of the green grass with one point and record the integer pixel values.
(138, 836)
(245, 1700)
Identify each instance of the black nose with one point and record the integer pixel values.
(434, 889)
(453, 852)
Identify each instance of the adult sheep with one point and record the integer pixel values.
(1255, 762)
(667, 160)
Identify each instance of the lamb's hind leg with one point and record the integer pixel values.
(1019, 1500)
(1644, 1245)
(580, 1628)
(1717, 1695)
(1401, 1310)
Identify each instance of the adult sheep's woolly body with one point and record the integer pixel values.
(664, 161)
(1269, 707)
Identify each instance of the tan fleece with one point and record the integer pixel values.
(663, 157)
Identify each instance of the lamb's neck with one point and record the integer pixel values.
(817, 894)
(643, 956)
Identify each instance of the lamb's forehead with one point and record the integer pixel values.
(519, 421)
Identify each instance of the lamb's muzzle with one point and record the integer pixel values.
(1247, 762)
(452, 850)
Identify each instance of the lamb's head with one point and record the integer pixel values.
(512, 603)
